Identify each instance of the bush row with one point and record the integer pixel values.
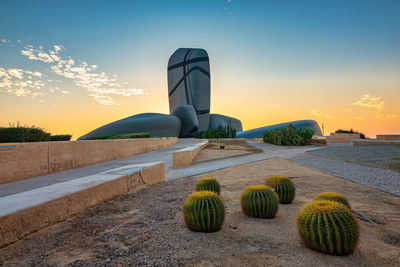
(227, 131)
(350, 131)
(18, 133)
(289, 136)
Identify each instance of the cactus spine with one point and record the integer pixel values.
(334, 197)
(208, 184)
(259, 201)
(204, 211)
(283, 187)
(328, 227)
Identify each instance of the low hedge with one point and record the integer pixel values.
(60, 137)
(16, 133)
(121, 136)
(289, 136)
(227, 131)
(362, 136)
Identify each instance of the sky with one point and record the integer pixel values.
(72, 66)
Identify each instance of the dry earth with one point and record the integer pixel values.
(232, 147)
(147, 228)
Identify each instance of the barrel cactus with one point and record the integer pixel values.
(208, 184)
(259, 201)
(204, 211)
(328, 227)
(283, 187)
(334, 197)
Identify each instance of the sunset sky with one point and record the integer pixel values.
(72, 66)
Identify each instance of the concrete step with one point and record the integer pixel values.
(26, 212)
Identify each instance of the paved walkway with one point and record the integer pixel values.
(218, 164)
(382, 179)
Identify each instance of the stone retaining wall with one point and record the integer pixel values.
(20, 161)
(184, 157)
(342, 137)
(395, 137)
(372, 142)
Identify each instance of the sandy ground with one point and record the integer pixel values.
(147, 228)
(232, 148)
(383, 156)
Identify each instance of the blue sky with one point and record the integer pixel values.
(250, 43)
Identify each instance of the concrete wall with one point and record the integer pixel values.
(372, 142)
(24, 160)
(319, 141)
(342, 137)
(395, 137)
(184, 157)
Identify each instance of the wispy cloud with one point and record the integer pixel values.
(20, 82)
(5, 41)
(318, 113)
(370, 101)
(376, 103)
(100, 86)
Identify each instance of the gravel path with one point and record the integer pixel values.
(382, 179)
(385, 156)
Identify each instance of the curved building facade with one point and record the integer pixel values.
(189, 82)
(259, 132)
(154, 123)
(189, 104)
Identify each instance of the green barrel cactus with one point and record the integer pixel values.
(334, 197)
(208, 184)
(328, 227)
(283, 187)
(204, 211)
(259, 201)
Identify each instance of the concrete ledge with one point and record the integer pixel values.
(184, 157)
(319, 141)
(342, 137)
(24, 213)
(394, 137)
(20, 161)
(372, 142)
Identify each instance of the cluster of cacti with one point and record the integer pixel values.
(259, 201)
(208, 184)
(334, 197)
(328, 226)
(204, 211)
(283, 187)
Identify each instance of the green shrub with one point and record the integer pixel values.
(328, 227)
(283, 187)
(289, 136)
(227, 131)
(208, 184)
(333, 197)
(17, 133)
(60, 137)
(259, 201)
(204, 211)
(350, 131)
(121, 136)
